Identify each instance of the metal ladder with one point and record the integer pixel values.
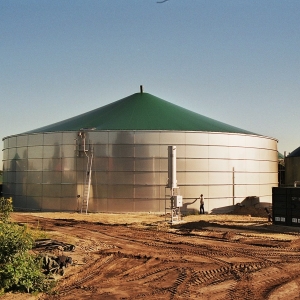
(87, 183)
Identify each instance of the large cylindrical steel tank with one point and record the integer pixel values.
(45, 169)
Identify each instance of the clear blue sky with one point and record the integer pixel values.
(231, 60)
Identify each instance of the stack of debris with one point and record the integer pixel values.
(54, 260)
(253, 207)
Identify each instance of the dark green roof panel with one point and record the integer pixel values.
(141, 111)
(295, 153)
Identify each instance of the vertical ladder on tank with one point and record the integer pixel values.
(87, 183)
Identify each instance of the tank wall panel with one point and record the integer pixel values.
(180, 164)
(196, 164)
(172, 138)
(12, 142)
(68, 177)
(197, 152)
(19, 202)
(253, 190)
(217, 152)
(220, 178)
(237, 140)
(49, 164)
(220, 165)
(219, 191)
(163, 178)
(69, 164)
(142, 178)
(35, 190)
(121, 150)
(120, 191)
(20, 177)
(237, 153)
(69, 190)
(34, 203)
(197, 138)
(22, 152)
(5, 154)
(53, 139)
(181, 178)
(35, 152)
(196, 178)
(149, 138)
(22, 140)
(193, 192)
(121, 205)
(252, 165)
(121, 178)
(100, 191)
(218, 139)
(146, 192)
(81, 164)
(21, 165)
(52, 177)
(147, 151)
(67, 150)
(145, 165)
(6, 143)
(35, 139)
(51, 203)
(101, 150)
(34, 177)
(53, 190)
(121, 164)
(35, 164)
(12, 154)
(19, 188)
(239, 192)
(264, 190)
(148, 205)
(51, 151)
(98, 138)
(69, 204)
(117, 137)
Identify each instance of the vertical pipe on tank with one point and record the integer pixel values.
(233, 191)
(172, 181)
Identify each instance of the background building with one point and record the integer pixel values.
(292, 167)
(45, 168)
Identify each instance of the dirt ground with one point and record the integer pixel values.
(139, 256)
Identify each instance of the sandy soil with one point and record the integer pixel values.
(129, 256)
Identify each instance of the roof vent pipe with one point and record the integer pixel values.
(141, 89)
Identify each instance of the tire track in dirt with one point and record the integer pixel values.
(132, 263)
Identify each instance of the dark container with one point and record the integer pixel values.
(286, 206)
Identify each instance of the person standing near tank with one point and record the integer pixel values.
(201, 204)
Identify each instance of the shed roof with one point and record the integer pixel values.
(295, 153)
(141, 111)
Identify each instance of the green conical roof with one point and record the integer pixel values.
(141, 111)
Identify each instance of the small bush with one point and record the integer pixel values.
(20, 270)
(23, 273)
(5, 209)
(14, 239)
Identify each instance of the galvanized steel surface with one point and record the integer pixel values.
(45, 171)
